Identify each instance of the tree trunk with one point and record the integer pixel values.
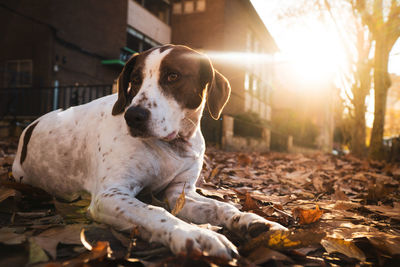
(360, 91)
(358, 137)
(381, 86)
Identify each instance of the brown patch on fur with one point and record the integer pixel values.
(27, 137)
(133, 68)
(218, 95)
(194, 71)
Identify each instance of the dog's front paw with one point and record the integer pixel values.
(255, 228)
(192, 238)
(252, 225)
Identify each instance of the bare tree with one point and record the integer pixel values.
(357, 43)
(358, 38)
(360, 89)
(385, 31)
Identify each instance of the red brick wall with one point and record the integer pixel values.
(95, 26)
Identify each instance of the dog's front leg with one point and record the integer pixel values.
(118, 206)
(200, 209)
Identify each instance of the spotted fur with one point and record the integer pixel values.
(92, 148)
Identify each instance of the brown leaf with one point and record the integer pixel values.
(339, 194)
(249, 203)
(9, 237)
(28, 190)
(307, 216)
(180, 202)
(213, 174)
(283, 240)
(36, 253)
(211, 193)
(342, 246)
(244, 159)
(263, 254)
(49, 239)
(318, 183)
(6, 193)
(392, 212)
(389, 244)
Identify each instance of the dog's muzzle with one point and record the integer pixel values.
(137, 118)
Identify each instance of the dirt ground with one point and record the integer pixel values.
(340, 211)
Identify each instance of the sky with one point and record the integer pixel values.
(309, 40)
(313, 50)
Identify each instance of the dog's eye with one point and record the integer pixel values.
(172, 77)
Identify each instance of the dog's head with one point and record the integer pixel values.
(162, 92)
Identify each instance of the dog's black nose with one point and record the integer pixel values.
(136, 117)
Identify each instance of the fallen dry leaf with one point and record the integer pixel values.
(389, 244)
(392, 212)
(263, 254)
(6, 193)
(213, 174)
(283, 240)
(9, 237)
(36, 253)
(249, 203)
(342, 246)
(303, 216)
(49, 239)
(180, 202)
(244, 159)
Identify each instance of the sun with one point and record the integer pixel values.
(315, 54)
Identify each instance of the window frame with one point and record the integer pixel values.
(18, 82)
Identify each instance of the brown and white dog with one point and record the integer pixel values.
(146, 137)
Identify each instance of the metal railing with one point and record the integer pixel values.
(33, 102)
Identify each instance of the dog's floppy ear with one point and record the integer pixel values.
(123, 84)
(218, 94)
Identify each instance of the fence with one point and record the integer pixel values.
(33, 102)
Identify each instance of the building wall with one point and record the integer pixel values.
(200, 30)
(97, 30)
(145, 22)
(74, 35)
(25, 39)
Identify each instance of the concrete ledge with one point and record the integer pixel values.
(230, 142)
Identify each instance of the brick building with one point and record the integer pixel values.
(62, 53)
(234, 28)
(49, 45)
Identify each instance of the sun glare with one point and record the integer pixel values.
(315, 54)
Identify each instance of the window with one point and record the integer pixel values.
(188, 6)
(159, 8)
(200, 5)
(255, 86)
(246, 81)
(249, 41)
(177, 8)
(247, 101)
(137, 41)
(18, 73)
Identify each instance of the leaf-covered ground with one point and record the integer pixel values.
(340, 211)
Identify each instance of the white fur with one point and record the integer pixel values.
(86, 148)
